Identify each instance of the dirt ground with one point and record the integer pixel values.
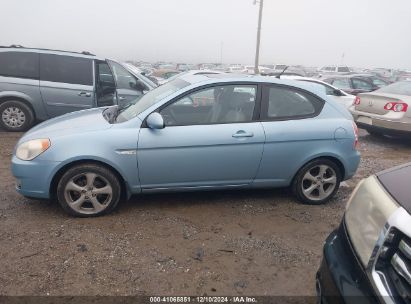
(215, 243)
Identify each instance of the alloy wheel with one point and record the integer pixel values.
(88, 193)
(319, 182)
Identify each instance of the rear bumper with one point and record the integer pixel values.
(351, 164)
(33, 177)
(378, 123)
(341, 279)
(383, 130)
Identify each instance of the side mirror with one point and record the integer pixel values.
(155, 121)
(138, 86)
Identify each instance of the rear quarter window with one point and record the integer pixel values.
(19, 64)
(66, 69)
(284, 103)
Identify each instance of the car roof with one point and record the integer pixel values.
(18, 48)
(231, 77)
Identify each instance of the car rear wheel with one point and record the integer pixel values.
(317, 182)
(16, 116)
(88, 190)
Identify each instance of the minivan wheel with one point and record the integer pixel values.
(88, 190)
(16, 116)
(317, 182)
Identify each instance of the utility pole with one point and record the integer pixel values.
(221, 52)
(257, 49)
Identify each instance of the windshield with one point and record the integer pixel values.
(280, 66)
(150, 99)
(400, 88)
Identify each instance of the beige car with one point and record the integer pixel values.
(385, 111)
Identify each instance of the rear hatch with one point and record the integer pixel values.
(374, 102)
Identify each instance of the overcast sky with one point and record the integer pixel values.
(371, 33)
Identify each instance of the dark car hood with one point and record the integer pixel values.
(75, 122)
(397, 181)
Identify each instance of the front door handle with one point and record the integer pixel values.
(243, 133)
(84, 94)
(121, 98)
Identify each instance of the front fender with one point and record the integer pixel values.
(63, 166)
(114, 147)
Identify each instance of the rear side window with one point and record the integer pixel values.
(19, 64)
(341, 83)
(66, 69)
(287, 103)
(361, 84)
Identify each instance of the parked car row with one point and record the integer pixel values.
(206, 130)
(357, 83)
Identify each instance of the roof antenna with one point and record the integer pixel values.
(282, 72)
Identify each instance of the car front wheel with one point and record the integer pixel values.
(317, 182)
(16, 116)
(88, 190)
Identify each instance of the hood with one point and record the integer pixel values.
(397, 182)
(71, 123)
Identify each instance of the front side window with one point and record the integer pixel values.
(214, 105)
(282, 102)
(19, 64)
(360, 84)
(66, 69)
(341, 83)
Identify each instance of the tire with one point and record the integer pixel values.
(16, 116)
(375, 133)
(88, 190)
(318, 174)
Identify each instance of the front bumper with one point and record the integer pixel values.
(33, 177)
(341, 279)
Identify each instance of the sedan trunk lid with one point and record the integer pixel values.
(374, 102)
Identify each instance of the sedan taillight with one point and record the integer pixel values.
(357, 101)
(396, 106)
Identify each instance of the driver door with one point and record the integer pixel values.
(127, 85)
(210, 139)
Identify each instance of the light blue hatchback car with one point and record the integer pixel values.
(197, 132)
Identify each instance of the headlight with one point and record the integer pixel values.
(32, 148)
(368, 210)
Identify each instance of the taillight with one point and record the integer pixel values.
(355, 128)
(357, 101)
(396, 106)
